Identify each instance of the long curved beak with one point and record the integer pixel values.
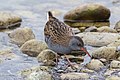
(83, 49)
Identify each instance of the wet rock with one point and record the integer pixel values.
(113, 77)
(91, 29)
(106, 29)
(88, 12)
(114, 44)
(33, 47)
(95, 64)
(115, 64)
(21, 35)
(9, 20)
(105, 52)
(74, 76)
(117, 26)
(98, 39)
(7, 54)
(36, 73)
(47, 57)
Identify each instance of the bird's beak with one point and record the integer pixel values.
(83, 49)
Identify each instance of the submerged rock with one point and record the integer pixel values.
(105, 52)
(47, 57)
(21, 35)
(75, 76)
(98, 39)
(88, 12)
(95, 64)
(9, 20)
(7, 54)
(33, 47)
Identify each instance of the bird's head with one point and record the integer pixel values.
(76, 43)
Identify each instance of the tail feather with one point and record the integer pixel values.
(50, 15)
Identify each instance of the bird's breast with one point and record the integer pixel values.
(58, 47)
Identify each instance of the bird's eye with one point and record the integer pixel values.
(79, 44)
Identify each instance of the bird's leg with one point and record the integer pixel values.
(69, 62)
(57, 59)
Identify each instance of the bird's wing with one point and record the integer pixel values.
(58, 31)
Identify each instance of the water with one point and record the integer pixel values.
(33, 12)
(34, 15)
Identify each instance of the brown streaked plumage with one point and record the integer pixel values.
(60, 38)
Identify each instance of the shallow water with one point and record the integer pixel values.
(33, 13)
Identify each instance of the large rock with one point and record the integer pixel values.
(88, 12)
(9, 20)
(115, 64)
(47, 57)
(75, 76)
(33, 47)
(98, 39)
(21, 35)
(105, 52)
(95, 64)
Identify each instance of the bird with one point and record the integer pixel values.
(60, 37)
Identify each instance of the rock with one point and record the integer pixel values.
(33, 47)
(117, 26)
(88, 12)
(76, 30)
(108, 72)
(47, 57)
(98, 39)
(87, 71)
(106, 29)
(91, 29)
(74, 76)
(21, 35)
(114, 44)
(41, 75)
(105, 52)
(9, 20)
(7, 54)
(118, 58)
(36, 73)
(113, 77)
(115, 64)
(95, 64)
